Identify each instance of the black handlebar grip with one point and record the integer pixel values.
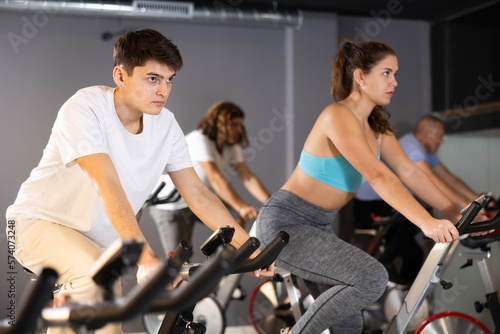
(491, 224)
(267, 256)
(137, 301)
(156, 192)
(32, 306)
(244, 252)
(181, 253)
(470, 213)
(222, 236)
(202, 283)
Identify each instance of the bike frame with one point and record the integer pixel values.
(427, 278)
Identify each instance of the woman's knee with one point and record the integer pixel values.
(372, 281)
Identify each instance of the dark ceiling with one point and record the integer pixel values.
(427, 10)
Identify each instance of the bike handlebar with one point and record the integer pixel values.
(153, 199)
(492, 224)
(145, 297)
(136, 302)
(242, 264)
(267, 256)
(201, 284)
(156, 192)
(111, 263)
(35, 301)
(465, 225)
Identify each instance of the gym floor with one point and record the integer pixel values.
(230, 330)
(241, 330)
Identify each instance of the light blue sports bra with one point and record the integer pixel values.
(334, 171)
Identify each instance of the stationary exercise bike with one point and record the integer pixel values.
(211, 311)
(152, 295)
(175, 322)
(430, 274)
(446, 320)
(108, 267)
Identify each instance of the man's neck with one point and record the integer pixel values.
(130, 119)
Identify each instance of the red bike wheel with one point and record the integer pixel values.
(451, 322)
(267, 296)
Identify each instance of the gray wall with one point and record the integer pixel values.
(270, 72)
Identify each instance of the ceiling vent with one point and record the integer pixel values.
(162, 10)
(165, 8)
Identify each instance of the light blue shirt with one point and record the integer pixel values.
(415, 151)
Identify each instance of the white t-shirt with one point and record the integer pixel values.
(201, 149)
(58, 190)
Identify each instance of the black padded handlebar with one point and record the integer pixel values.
(267, 256)
(173, 196)
(242, 264)
(465, 226)
(145, 297)
(201, 284)
(136, 302)
(487, 225)
(222, 236)
(36, 300)
(113, 261)
(241, 255)
(154, 195)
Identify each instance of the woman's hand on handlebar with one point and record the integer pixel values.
(265, 272)
(440, 230)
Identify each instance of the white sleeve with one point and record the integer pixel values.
(200, 147)
(77, 132)
(179, 154)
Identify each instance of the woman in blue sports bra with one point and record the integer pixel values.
(344, 147)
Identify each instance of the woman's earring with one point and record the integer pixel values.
(361, 84)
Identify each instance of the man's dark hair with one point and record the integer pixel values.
(135, 48)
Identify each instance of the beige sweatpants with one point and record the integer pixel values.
(41, 243)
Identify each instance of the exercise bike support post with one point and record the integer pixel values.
(430, 274)
(492, 302)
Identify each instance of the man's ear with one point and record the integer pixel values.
(119, 75)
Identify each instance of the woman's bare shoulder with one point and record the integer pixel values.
(337, 112)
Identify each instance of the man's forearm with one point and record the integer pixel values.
(256, 188)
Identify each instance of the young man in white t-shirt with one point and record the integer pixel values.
(106, 152)
(214, 146)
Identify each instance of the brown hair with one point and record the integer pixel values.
(365, 56)
(135, 48)
(216, 124)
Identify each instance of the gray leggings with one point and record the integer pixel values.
(341, 277)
